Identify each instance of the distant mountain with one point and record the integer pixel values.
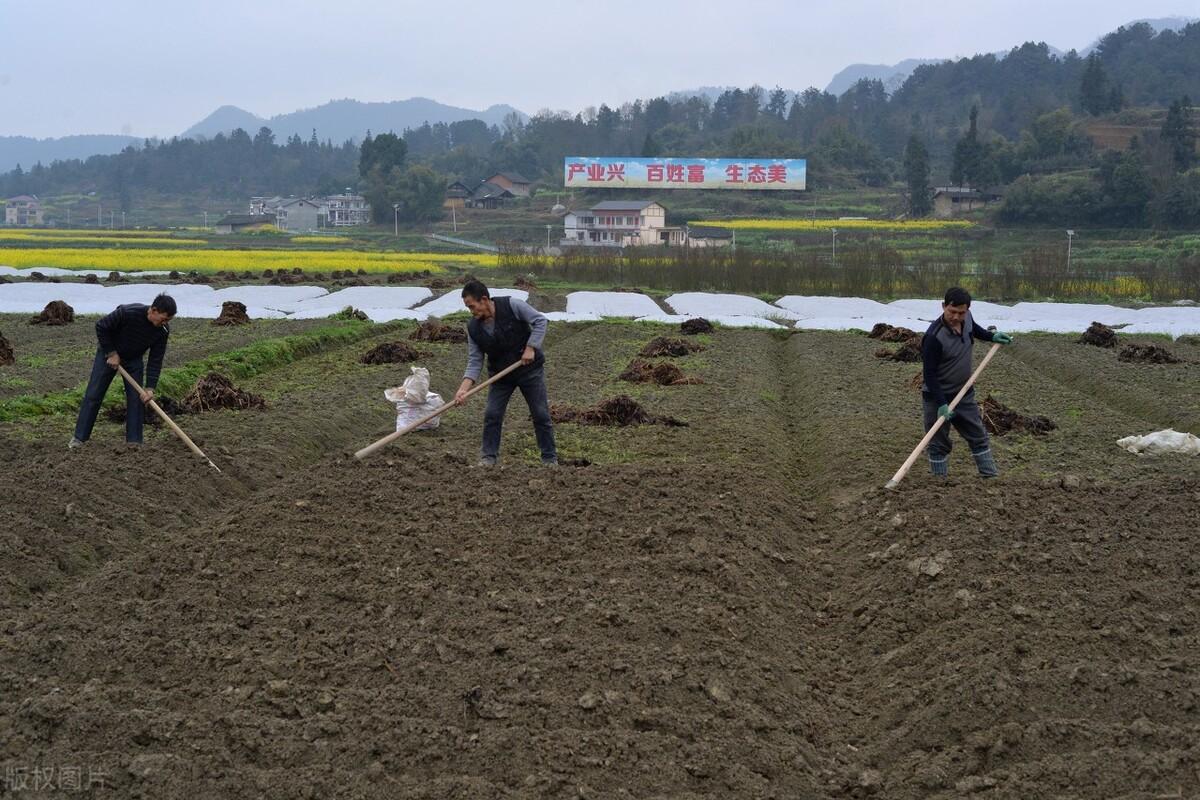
(1159, 25)
(27, 152)
(340, 120)
(893, 77)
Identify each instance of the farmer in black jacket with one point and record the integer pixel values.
(507, 330)
(124, 336)
(946, 353)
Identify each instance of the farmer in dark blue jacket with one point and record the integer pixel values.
(946, 353)
(507, 330)
(124, 336)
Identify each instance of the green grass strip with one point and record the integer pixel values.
(175, 382)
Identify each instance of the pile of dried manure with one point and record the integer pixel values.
(56, 312)
(617, 411)
(691, 327)
(214, 391)
(392, 353)
(664, 373)
(432, 330)
(1099, 335)
(232, 313)
(1147, 354)
(6, 352)
(667, 346)
(999, 419)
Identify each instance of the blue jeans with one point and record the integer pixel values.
(532, 383)
(89, 409)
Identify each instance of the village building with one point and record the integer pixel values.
(950, 201)
(346, 210)
(23, 210)
(489, 195)
(244, 223)
(457, 195)
(514, 182)
(704, 236)
(621, 223)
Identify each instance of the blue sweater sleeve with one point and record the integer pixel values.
(107, 327)
(980, 332)
(931, 354)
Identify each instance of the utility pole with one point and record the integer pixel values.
(834, 246)
(100, 215)
(454, 218)
(547, 238)
(122, 220)
(111, 214)
(396, 219)
(1070, 236)
(68, 216)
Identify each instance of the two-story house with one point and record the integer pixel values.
(621, 223)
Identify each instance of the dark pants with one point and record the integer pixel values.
(89, 409)
(969, 424)
(532, 383)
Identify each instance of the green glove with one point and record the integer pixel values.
(1000, 337)
(945, 413)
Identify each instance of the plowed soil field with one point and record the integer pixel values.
(731, 609)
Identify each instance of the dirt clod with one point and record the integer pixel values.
(1147, 354)
(115, 277)
(56, 312)
(664, 373)
(90, 278)
(1099, 335)
(433, 330)
(215, 391)
(691, 327)
(619, 411)
(524, 282)
(6, 352)
(667, 346)
(999, 419)
(232, 313)
(392, 353)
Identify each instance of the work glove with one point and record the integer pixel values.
(945, 413)
(1000, 337)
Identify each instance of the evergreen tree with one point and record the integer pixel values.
(1095, 95)
(967, 168)
(1179, 135)
(916, 175)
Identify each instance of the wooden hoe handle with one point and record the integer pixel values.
(178, 431)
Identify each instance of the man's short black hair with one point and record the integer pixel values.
(957, 296)
(475, 290)
(165, 303)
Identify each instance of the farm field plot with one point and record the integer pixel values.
(731, 608)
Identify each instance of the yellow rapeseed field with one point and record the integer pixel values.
(798, 224)
(92, 238)
(134, 259)
(69, 233)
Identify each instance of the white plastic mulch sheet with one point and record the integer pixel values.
(1159, 442)
(452, 302)
(611, 304)
(728, 320)
(384, 299)
(571, 316)
(703, 304)
(58, 272)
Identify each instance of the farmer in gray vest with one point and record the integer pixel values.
(946, 353)
(507, 330)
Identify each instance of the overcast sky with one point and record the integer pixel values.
(155, 68)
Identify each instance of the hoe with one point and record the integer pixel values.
(907, 465)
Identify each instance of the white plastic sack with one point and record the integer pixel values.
(407, 413)
(1168, 441)
(416, 385)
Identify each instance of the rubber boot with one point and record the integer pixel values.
(985, 463)
(940, 467)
